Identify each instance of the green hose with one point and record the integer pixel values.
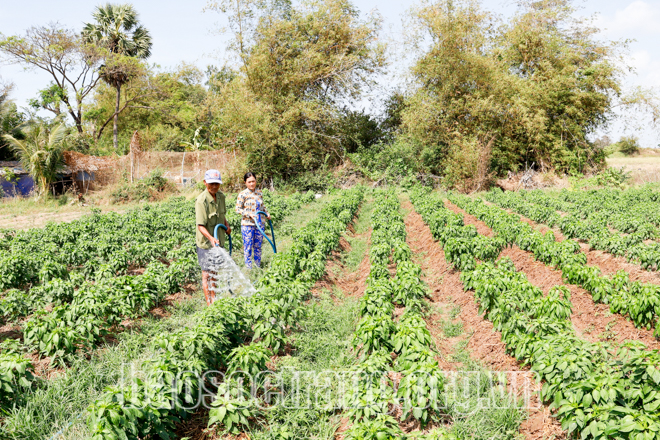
(272, 233)
(215, 234)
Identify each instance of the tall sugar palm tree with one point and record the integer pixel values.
(118, 29)
(40, 152)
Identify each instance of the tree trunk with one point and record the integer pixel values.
(116, 118)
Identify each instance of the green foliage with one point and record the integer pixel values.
(167, 108)
(231, 411)
(578, 375)
(359, 130)
(249, 359)
(15, 304)
(40, 151)
(151, 407)
(10, 121)
(118, 30)
(318, 181)
(384, 427)
(628, 145)
(50, 98)
(615, 177)
(72, 64)
(533, 89)
(152, 187)
(392, 161)
(421, 383)
(274, 107)
(15, 375)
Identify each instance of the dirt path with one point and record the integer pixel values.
(40, 220)
(592, 322)
(351, 284)
(485, 343)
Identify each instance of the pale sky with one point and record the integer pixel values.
(183, 32)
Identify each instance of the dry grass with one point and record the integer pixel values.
(644, 168)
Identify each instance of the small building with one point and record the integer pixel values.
(22, 186)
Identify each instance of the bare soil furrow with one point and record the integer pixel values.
(591, 321)
(485, 343)
(607, 262)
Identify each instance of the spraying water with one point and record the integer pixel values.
(227, 280)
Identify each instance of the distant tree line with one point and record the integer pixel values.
(486, 97)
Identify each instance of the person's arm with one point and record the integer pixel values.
(263, 205)
(240, 206)
(228, 231)
(205, 233)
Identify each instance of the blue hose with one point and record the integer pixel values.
(272, 233)
(215, 234)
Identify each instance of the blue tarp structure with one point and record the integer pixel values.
(24, 186)
(84, 176)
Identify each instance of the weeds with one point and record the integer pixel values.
(322, 344)
(151, 188)
(59, 401)
(452, 329)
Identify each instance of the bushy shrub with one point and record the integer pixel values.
(613, 177)
(317, 181)
(151, 188)
(392, 161)
(628, 145)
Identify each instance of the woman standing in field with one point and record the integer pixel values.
(248, 203)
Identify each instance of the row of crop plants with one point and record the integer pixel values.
(83, 311)
(595, 394)
(402, 347)
(233, 335)
(596, 223)
(44, 266)
(640, 302)
(633, 210)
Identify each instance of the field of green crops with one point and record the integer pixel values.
(105, 334)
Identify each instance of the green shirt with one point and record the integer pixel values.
(209, 213)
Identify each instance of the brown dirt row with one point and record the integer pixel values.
(351, 284)
(591, 321)
(607, 262)
(485, 344)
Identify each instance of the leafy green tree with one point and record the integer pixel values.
(528, 91)
(50, 98)
(40, 152)
(628, 145)
(166, 107)
(300, 65)
(118, 29)
(10, 120)
(358, 130)
(62, 53)
(391, 121)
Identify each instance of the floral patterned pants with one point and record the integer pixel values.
(252, 240)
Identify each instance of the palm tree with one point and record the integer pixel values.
(40, 152)
(118, 29)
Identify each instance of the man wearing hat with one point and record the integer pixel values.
(209, 211)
